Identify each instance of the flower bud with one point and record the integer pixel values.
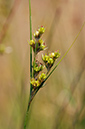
(34, 82)
(36, 34)
(45, 58)
(32, 43)
(37, 68)
(39, 32)
(57, 54)
(50, 59)
(42, 77)
(39, 46)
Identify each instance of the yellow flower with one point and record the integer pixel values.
(32, 42)
(50, 61)
(39, 32)
(57, 54)
(42, 77)
(35, 82)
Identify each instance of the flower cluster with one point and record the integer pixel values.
(50, 59)
(38, 45)
(37, 81)
(38, 67)
(39, 32)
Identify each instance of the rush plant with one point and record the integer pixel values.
(37, 76)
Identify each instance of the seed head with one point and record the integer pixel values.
(42, 77)
(50, 59)
(39, 32)
(34, 82)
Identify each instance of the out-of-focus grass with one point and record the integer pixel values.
(55, 106)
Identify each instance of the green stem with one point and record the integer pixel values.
(29, 102)
(26, 116)
(30, 46)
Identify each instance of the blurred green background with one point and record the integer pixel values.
(61, 103)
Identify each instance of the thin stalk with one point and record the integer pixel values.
(66, 52)
(30, 46)
(26, 116)
(29, 102)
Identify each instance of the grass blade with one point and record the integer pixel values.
(66, 52)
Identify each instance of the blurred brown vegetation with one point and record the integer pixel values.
(61, 103)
